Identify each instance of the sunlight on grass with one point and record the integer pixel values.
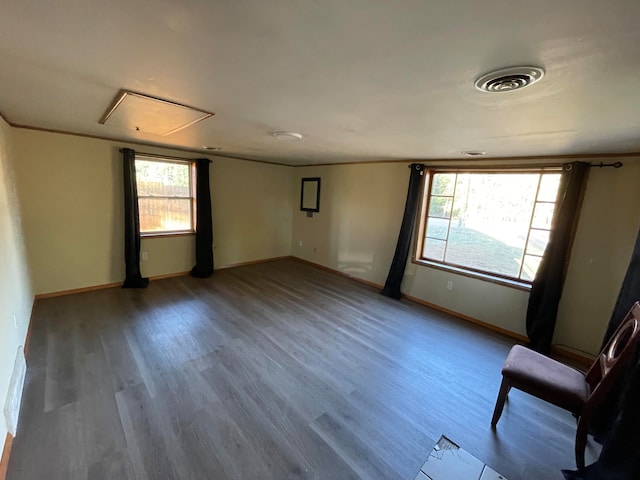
(492, 222)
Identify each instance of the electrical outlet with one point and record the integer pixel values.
(449, 285)
(299, 243)
(145, 256)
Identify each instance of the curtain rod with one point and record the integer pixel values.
(168, 157)
(525, 166)
(602, 165)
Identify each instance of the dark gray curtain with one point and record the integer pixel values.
(619, 458)
(133, 278)
(629, 293)
(546, 289)
(204, 223)
(403, 247)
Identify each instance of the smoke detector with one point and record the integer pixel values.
(509, 79)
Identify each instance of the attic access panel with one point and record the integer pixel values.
(146, 114)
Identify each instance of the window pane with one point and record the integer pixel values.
(542, 216)
(549, 187)
(164, 214)
(490, 221)
(530, 267)
(440, 207)
(434, 249)
(437, 228)
(472, 248)
(162, 179)
(443, 184)
(489, 218)
(538, 240)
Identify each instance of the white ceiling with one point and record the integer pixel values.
(362, 80)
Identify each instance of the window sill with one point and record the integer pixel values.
(166, 234)
(480, 276)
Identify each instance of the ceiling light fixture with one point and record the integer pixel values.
(473, 153)
(211, 149)
(509, 79)
(287, 136)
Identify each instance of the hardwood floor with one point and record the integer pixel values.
(270, 371)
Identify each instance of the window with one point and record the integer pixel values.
(488, 223)
(166, 195)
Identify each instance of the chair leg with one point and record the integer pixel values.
(505, 386)
(581, 443)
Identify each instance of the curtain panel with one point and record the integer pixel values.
(403, 247)
(133, 277)
(619, 459)
(546, 289)
(629, 292)
(204, 223)
(604, 419)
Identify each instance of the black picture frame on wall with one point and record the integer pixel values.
(310, 194)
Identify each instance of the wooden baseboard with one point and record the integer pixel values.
(28, 337)
(6, 453)
(559, 351)
(167, 275)
(253, 262)
(338, 272)
(77, 290)
(62, 293)
(509, 333)
(488, 326)
(575, 358)
(153, 278)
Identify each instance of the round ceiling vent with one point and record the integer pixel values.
(287, 136)
(509, 79)
(473, 153)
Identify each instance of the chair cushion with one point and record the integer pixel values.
(545, 378)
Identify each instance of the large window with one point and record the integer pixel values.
(166, 196)
(488, 223)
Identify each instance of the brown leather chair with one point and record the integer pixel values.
(566, 387)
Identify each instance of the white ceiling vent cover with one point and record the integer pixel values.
(142, 113)
(509, 79)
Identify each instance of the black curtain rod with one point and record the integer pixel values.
(599, 165)
(602, 165)
(169, 157)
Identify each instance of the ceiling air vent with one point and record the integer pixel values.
(509, 79)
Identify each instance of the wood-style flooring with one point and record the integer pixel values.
(272, 371)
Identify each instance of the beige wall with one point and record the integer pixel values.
(16, 295)
(71, 204)
(357, 227)
(601, 253)
(67, 226)
(71, 193)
